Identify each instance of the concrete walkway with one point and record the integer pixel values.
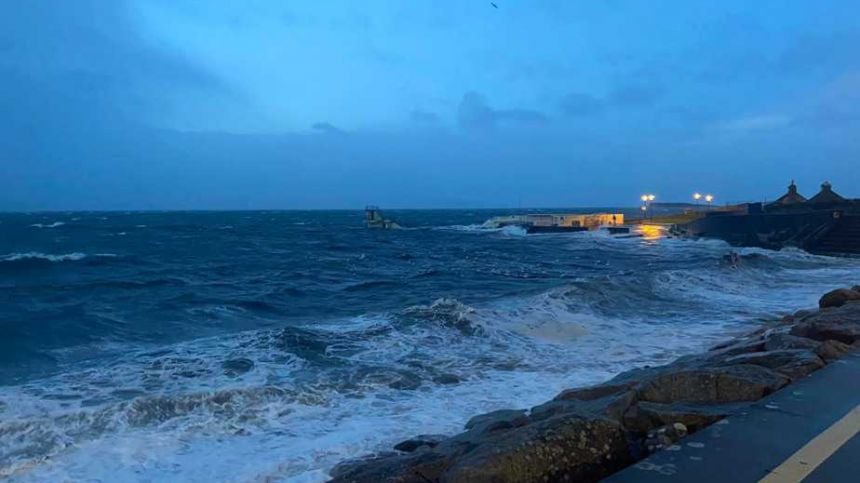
(805, 432)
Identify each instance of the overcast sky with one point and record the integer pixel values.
(160, 104)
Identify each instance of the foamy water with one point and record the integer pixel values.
(293, 395)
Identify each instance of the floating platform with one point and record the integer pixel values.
(560, 222)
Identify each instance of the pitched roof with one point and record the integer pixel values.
(826, 195)
(791, 197)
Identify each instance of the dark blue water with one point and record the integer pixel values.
(194, 345)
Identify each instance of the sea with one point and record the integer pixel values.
(271, 345)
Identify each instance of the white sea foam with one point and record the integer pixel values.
(174, 414)
(65, 257)
(48, 225)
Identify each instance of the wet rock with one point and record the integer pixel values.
(753, 343)
(794, 363)
(236, 367)
(787, 341)
(375, 467)
(496, 420)
(801, 314)
(664, 436)
(838, 297)
(830, 350)
(422, 440)
(569, 447)
(840, 323)
(592, 392)
(712, 385)
(645, 416)
(612, 406)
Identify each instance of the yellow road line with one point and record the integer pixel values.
(803, 462)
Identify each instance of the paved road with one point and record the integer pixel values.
(805, 432)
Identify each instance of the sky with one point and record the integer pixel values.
(274, 104)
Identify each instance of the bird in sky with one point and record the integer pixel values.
(494, 5)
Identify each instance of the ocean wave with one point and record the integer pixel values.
(37, 256)
(48, 225)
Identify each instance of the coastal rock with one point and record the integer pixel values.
(389, 467)
(664, 436)
(750, 343)
(781, 341)
(830, 350)
(495, 420)
(611, 407)
(422, 440)
(838, 297)
(647, 415)
(794, 363)
(734, 383)
(591, 393)
(569, 448)
(840, 323)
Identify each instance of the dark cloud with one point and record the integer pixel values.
(474, 113)
(86, 59)
(581, 105)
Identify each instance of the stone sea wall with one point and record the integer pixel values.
(586, 434)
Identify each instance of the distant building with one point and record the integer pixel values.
(792, 197)
(826, 196)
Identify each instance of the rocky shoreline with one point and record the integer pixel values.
(586, 434)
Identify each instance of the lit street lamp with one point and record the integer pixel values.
(709, 198)
(646, 203)
(697, 196)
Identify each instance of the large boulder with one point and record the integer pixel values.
(830, 350)
(782, 341)
(714, 385)
(664, 436)
(838, 297)
(612, 407)
(382, 467)
(591, 393)
(794, 363)
(420, 441)
(645, 416)
(496, 420)
(840, 323)
(566, 448)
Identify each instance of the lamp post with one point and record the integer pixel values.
(697, 196)
(709, 198)
(646, 203)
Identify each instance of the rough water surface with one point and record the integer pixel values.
(247, 346)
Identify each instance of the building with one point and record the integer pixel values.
(792, 197)
(826, 196)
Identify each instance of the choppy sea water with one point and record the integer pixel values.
(252, 346)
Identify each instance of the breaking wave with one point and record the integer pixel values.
(203, 356)
(36, 256)
(48, 225)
